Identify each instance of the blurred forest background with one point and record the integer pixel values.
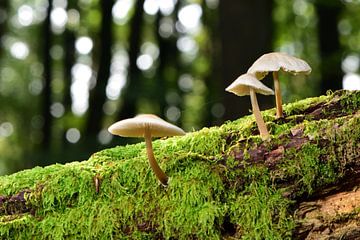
(70, 68)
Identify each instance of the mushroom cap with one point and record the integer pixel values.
(276, 61)
(135, 127)
(241, 86)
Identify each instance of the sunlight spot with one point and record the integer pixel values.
(166, 28)
(6, 129)
(35, 87)
(84, 45)
(73, 17)
(58, 19)
(19, 50)
(119, 62)
(189, 16)
(350, 63)
(300, 7)
(186, 82)
(187, 44)
(173, 113)
(151, 7)
(121, 9)
(104, 137)
(80, 88)
(144, 62)
(116, 83)
(351, 81)
(25, 15)
(73, 135)
(60, 3)
(57, 110)
(167, 6)
(150, 49)
(212, 4)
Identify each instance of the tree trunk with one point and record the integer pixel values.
(224, 183)
(4, 9)
(47, 92)
(329, 44)
(130, 92)
(214, 115)
(98, 95)
(69, 61)
(168, 58)
(245, 27)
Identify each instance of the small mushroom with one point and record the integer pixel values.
(247, 84)
(274, 62)
(147, 126)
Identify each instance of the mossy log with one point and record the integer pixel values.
(225, 183)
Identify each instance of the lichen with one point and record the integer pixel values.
(225, 182)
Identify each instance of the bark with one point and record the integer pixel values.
(47, 92)
(98, 95)
(224, 182)
(329, 44)
(245, 27)
(130, 92)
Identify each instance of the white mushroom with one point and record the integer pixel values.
(274, 62)
(247, 84)
(147, 126)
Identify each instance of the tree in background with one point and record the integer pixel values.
(246, 34)
(47, 91)
(328, 13)
(133, 83)
(98, 95)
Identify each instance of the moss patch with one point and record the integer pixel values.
(225, 181)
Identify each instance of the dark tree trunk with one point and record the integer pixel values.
(4, 9)
(165, 50)
(130, 92)
(98, 96)
(46, 101)
(245, 28)
(69, 61)
(329, 45)
(213, 53)
(168, 57)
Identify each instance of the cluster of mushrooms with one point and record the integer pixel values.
(149, 125)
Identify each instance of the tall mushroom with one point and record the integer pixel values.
(247, 84)
(274, 62)
(147, 126)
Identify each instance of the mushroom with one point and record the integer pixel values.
(247, 84)
(274, 62)
(147, 126)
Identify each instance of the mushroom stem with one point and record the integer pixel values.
(278, 99)
(258, 118)
(163, 178)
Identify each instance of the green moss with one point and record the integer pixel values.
(260, 211)
(211, 193)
